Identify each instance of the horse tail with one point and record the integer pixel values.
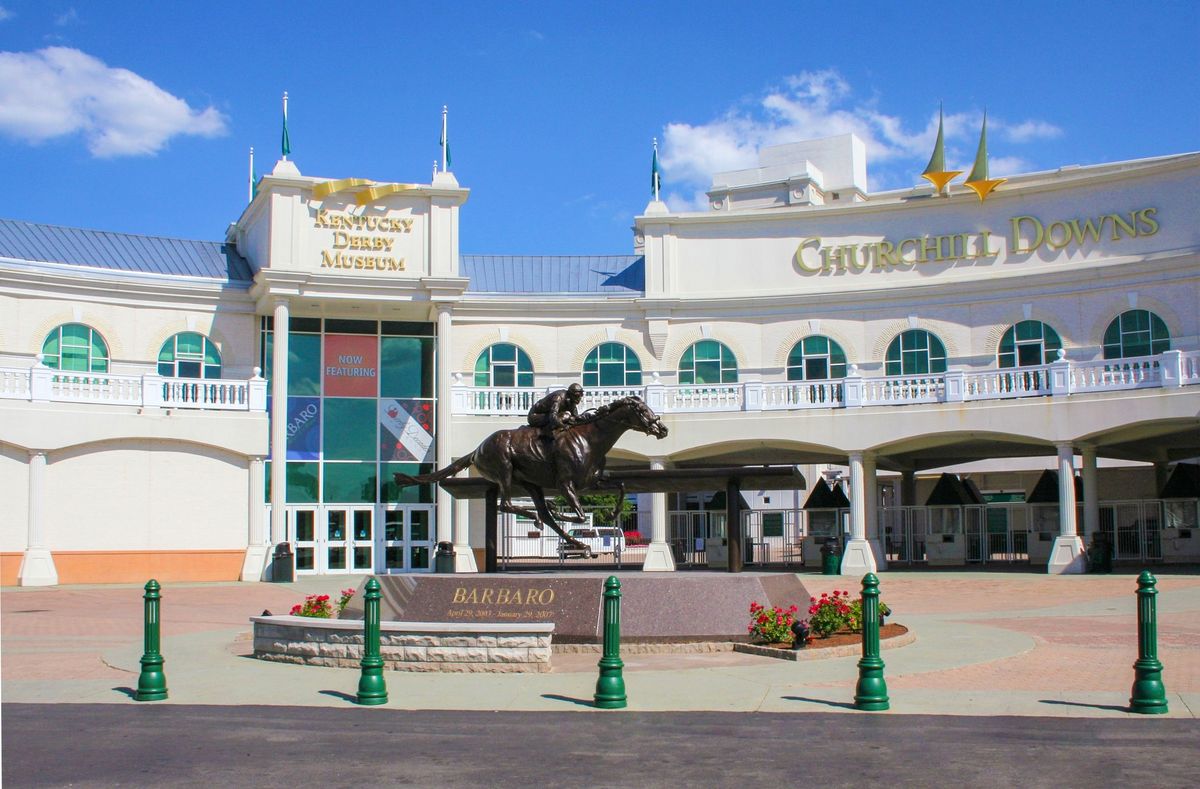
(404, 480)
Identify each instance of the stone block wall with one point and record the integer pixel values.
(406, 646)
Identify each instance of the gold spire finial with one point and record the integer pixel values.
(936, 172)
(977, 179)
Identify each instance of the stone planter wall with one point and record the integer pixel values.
(406, 646)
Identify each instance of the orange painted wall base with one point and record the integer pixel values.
(116, 567)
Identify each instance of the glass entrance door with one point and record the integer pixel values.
(302, 530)
(348, 540)
(406, 541)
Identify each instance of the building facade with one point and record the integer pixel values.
(178, 408)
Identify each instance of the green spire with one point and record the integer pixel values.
(978, 179)
(936, 172)
(286, 142)
(655, 173)
(980, 171)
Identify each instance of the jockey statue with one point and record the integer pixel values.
(556, 411)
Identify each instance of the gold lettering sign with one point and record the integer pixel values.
(355, 234)
(1026, 234)
(464, 596)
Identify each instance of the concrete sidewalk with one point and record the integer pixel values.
(986, 644)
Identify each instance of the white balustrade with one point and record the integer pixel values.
(1010, 382)
(802, 394)
(1108, 375)
(594, 397)
(716, 397)
(903, 390)
(496, 400)
(63, 386)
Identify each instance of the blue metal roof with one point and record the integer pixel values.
(533, 274)
(36, 243)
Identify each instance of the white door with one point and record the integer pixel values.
(405, 543)
(302, 530)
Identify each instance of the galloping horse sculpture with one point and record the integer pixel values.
(572, 462)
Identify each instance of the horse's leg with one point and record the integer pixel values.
(539, 500)
(568, 489)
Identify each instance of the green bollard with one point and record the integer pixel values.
(1149, 697)
(152, 683)
(871, 691)
(610, 687)
(372, 689)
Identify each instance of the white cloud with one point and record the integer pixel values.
(5, 14)
(816, 104)
(68, 17)
(59, 91)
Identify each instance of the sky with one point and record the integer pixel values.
(138, 117)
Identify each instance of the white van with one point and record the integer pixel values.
(599, 540)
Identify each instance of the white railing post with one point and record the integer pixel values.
(953, 392)
(1171, 366)
(656, 395)
(752, 396)
(1060, 376)
(257, 399)
(39, 381)
(152, 391)
(853, 388)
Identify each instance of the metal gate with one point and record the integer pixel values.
(1133, 528)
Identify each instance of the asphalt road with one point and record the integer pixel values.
(178, 745)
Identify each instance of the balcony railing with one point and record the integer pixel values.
(43, 384)
(1166, 370)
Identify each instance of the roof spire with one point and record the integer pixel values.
(936, 172)
(286, 141)
(655, 173)
(977, 179)
(252, 187)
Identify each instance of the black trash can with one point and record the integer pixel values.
(831, 558)
(283, 566)
(1099, 555)
(443, 560)
(677, 552)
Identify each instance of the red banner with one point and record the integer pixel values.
(351, 366)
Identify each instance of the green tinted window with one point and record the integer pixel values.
(350, 483)
(413, 494)
(350, 428)
(75, 347)
(304, 364)
(302, 483)
(189, 355)
(1027, 344)
(1136, 333)
(916, 352)
(612, 364)
(503, 364)
(816, 358)
(708, 362)
(406, 367)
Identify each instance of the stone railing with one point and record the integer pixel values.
(1166, 370)
(44, 384)
(502, 647)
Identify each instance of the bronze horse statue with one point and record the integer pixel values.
(572, 462)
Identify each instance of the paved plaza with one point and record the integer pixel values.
(990, 644)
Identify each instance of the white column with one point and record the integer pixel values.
(871, 502)
(445, 505)
(256, 544)
(1091, 495)
(658, 554)
(1066, 555)
(37, 565)
(464, 557)
(279, 376)
(858, 558)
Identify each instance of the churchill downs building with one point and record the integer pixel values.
(951, 380)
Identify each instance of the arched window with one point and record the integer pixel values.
(189, 354)
(1136, 333)
(612, 364)
(816, 358)
(1028, 344)
(916, 352)
(708, 362)
(76, 347)
(503, 364)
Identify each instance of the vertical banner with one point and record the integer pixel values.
(351, 366)
(406, 430)
(304, 428)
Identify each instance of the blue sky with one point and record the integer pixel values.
(137, 117)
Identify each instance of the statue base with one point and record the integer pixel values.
(654, 607)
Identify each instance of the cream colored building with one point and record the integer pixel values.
(802, 320)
